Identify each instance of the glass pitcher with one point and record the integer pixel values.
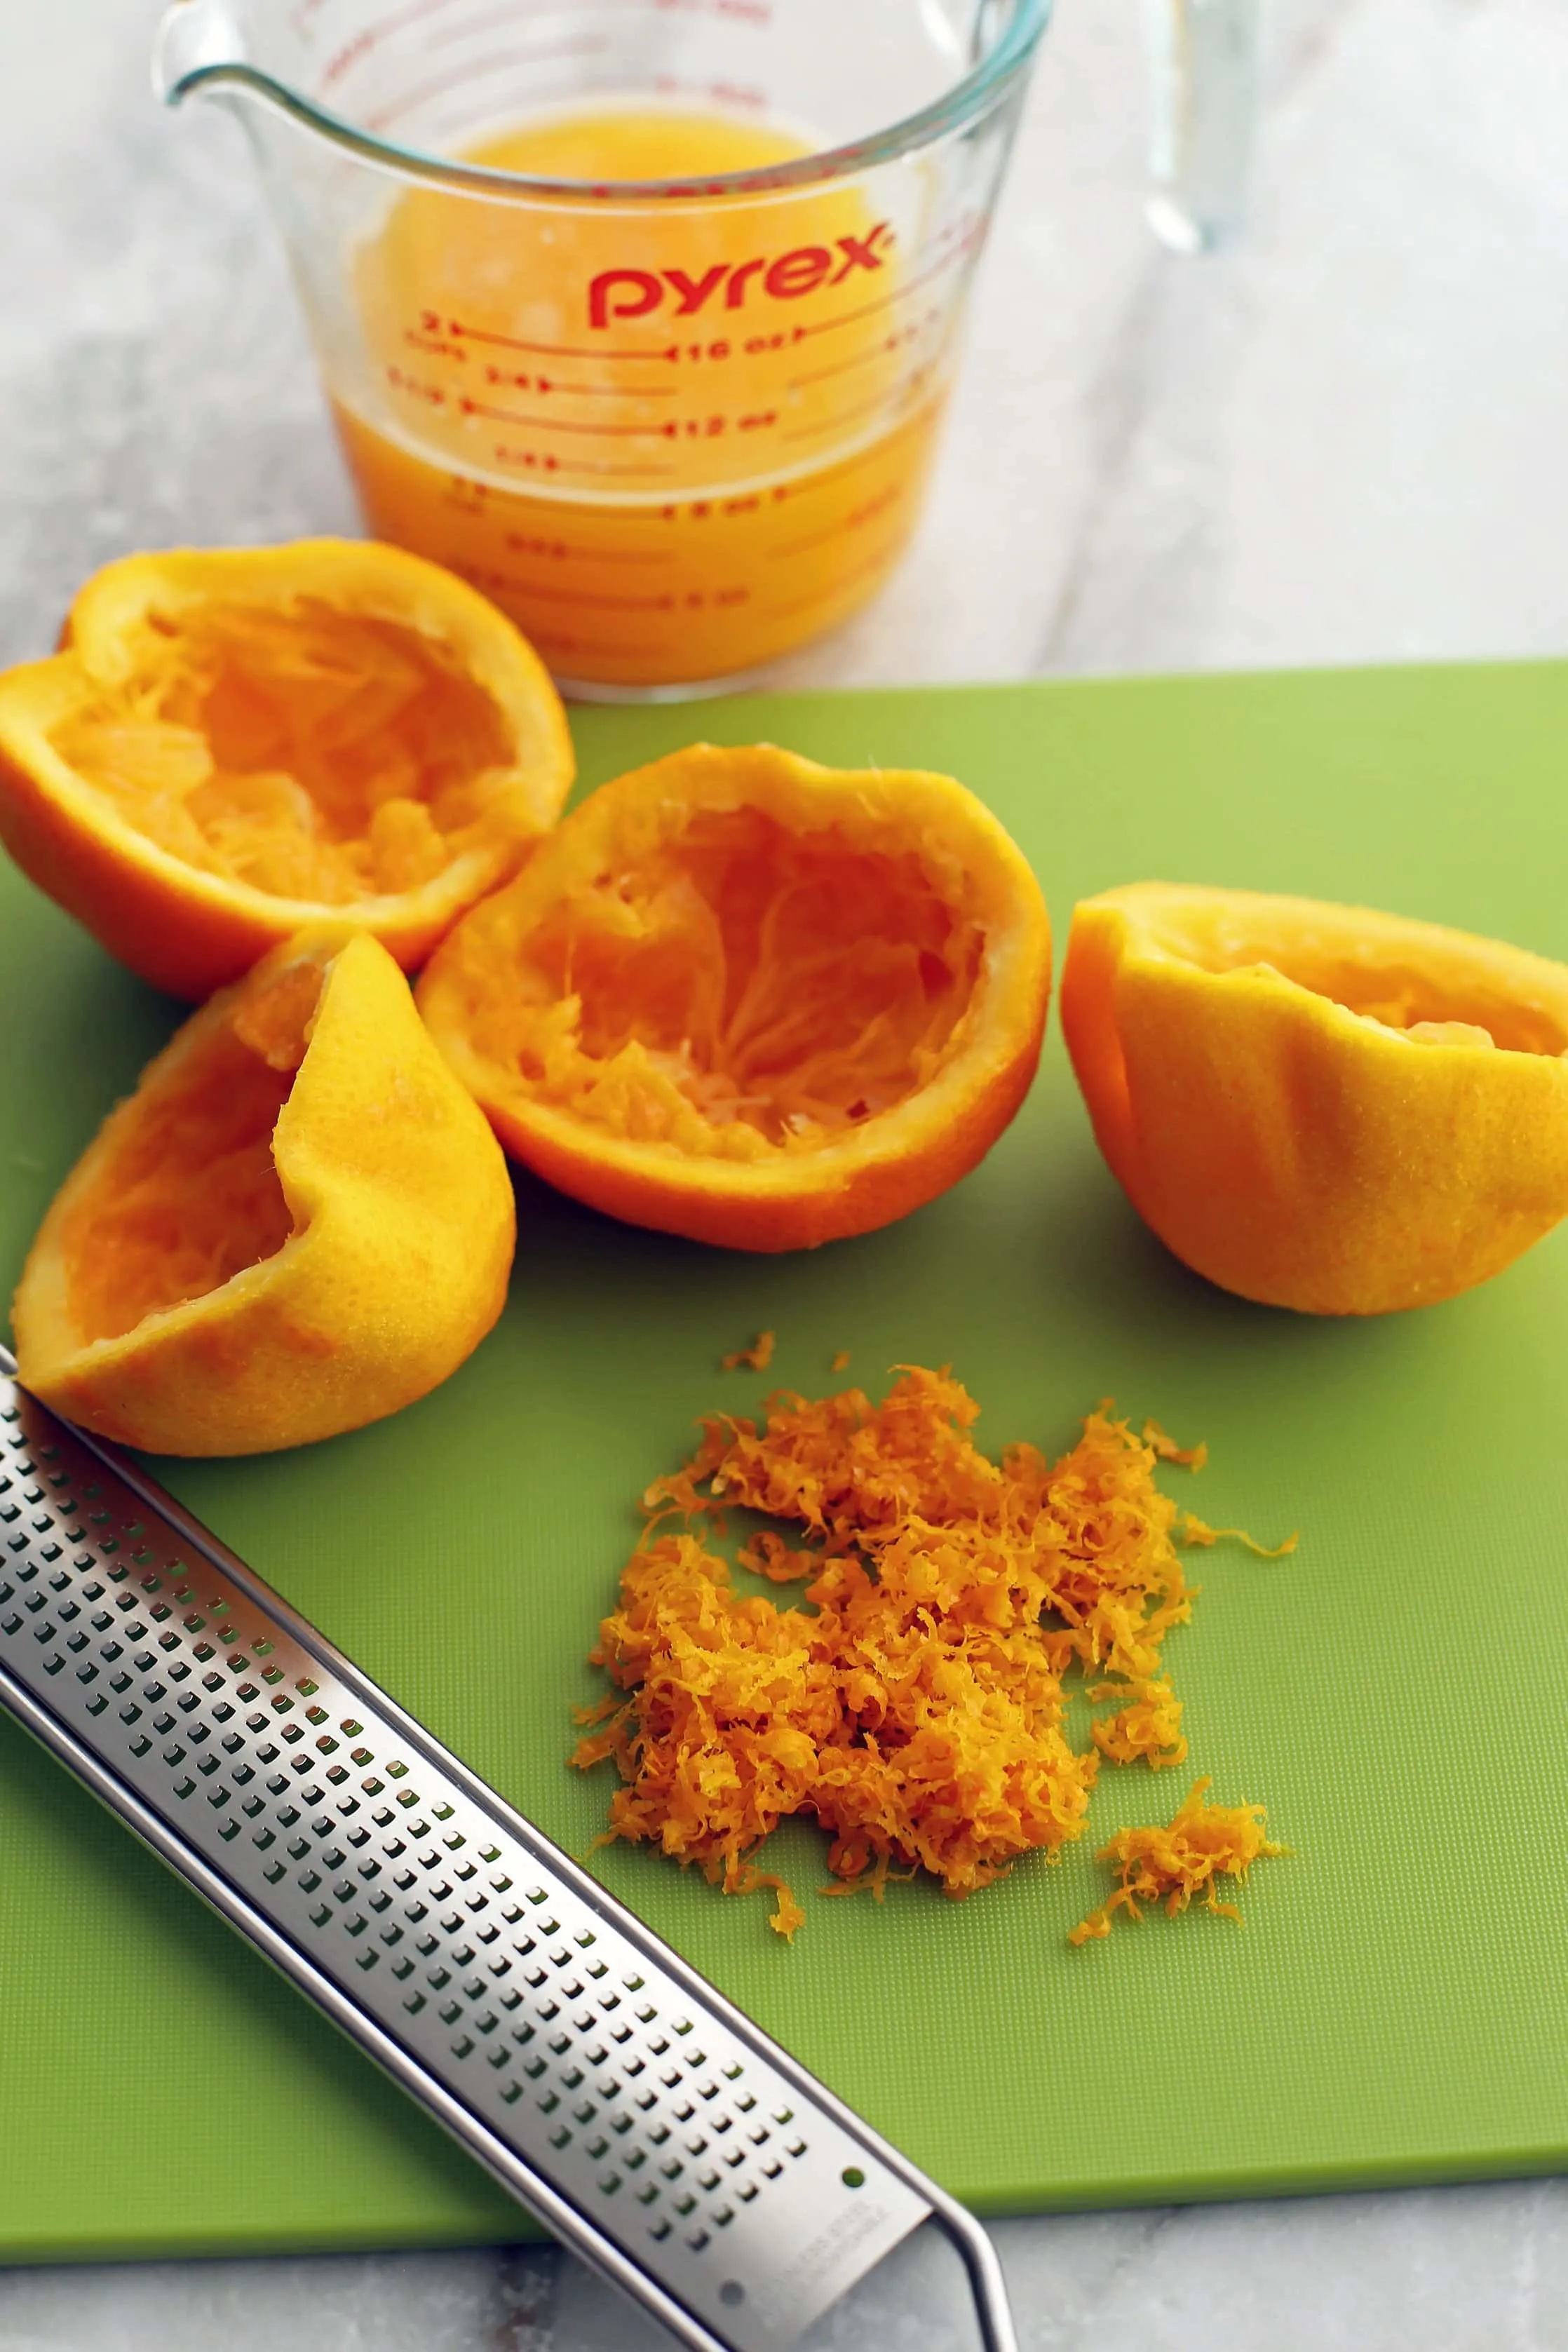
(639, 314)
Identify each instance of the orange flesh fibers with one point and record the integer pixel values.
(313, 753)
(914, 1707)
(744, 990)
(1432, 1007)
(191, 1197)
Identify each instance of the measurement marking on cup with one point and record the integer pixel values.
(553, 642)
(434, 326)
(467, 407)
(436, 347)
(550, 464)
(851, 415)
(857, 520)
(484, 69)
(836, 586)
(498, 19)
(582, 597)
(890, 342)
(560, 550)
(691, 600)
(547, 599)
(300, 19)
(518, 380)
(673, 428)
(870, 309)
(353, 52)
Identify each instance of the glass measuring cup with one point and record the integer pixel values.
(676, 420)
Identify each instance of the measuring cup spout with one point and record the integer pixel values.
(199, 45)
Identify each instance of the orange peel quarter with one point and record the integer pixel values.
(1321, 1106)
(232, 744)
(297, 1224)
(757, 1001)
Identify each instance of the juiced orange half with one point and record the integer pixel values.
(1321, 1106)
(297, 1223)
(741, 997)
(235, 742)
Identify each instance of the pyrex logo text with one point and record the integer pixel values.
(636, 293)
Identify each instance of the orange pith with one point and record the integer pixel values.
(744, 998)
(297, 1223)
(196, 1198)
(1416, 978)
(231, 744)
(191, 1196)
(778, 989)
(334, 757)
(1321, 1106)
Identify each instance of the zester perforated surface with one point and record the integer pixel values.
(445, 1926)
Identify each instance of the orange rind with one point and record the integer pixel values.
(297, 1224)
(234, 743)
(1321, 1106)
(753, 1001)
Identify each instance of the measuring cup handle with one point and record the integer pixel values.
(1203, 60)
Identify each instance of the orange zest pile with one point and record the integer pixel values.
(1182, 1859)
(914, 1707)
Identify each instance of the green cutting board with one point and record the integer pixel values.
(1395, 2007)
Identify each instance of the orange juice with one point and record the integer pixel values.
(672, 438)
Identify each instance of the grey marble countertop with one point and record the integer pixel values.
(1342, 441)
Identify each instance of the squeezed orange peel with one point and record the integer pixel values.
(914, 1707)
(760, 1003)
(1319, 1107)
(255, 1253)
(1182, 1858)
(233, 743)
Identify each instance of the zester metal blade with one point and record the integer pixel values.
(600, 2079)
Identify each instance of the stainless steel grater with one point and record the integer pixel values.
(600, 2079)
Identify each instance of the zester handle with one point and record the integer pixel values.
(603, 2082)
